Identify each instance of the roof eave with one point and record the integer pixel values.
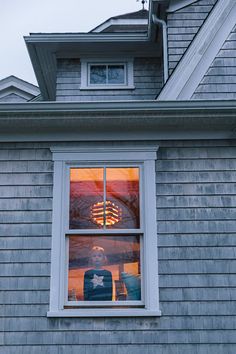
(138, 120)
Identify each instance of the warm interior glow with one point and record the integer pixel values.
(122, 255)
(108, 214)
(91, 187)
(96, 174)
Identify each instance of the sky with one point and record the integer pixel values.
(20, 17)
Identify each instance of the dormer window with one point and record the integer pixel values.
(110, 74)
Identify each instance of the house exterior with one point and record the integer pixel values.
(127, 154)
(13, 89)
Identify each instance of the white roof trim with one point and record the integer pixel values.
(119, 22)
(11, 82)
(17, 92)
(176, 5)
(201, 53)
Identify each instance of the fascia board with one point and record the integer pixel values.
(110, 121)
(201, 53)
(117, 106)
(83, 37)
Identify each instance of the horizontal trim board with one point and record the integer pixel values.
(142, 120)
(167, 322)
(105, 312)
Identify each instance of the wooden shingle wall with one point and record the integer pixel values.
(148, 81)
(12, 98)
(196, 211)
(183, 25)
(220, 80)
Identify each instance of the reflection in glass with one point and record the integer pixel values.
(104, 198)
(116, 74)
(86, 189)
(98, 74)
(122, 189)
(104, 268)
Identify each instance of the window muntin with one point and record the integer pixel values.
(118, 280)
(106, 198)
(107, 74)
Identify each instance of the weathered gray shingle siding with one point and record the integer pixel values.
(183, 25)
(12, 98)
(196, 209)
(220, 80)
(147, 81)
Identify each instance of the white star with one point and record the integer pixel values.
(97, 280)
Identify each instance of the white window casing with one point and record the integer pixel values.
(128, 73)
(64, 158)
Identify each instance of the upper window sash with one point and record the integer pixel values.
(128, 206)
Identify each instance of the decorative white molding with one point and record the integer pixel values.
(176, 5)
(21, 88)
(201, 53)
(105, 313)
(64, 158)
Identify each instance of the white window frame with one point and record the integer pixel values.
(67, 156)
(128, 72)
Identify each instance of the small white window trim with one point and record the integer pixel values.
(85, 74)
(144, 156)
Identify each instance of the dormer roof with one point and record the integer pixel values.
(129, 22)
(13, 89)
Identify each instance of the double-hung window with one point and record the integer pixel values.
(104, 246)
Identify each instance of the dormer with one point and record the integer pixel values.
(121, 59)
(178, 50)
(132, 22)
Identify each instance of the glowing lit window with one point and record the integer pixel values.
(104, 250)
(104, 198)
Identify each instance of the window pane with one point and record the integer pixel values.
(122, 191)
(98, 74)
(116, 74)
(86, 190)
(104, 268)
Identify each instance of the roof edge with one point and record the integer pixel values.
(201, 52)
(115, 106)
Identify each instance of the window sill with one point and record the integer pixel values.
(104, 313)
(90, 88)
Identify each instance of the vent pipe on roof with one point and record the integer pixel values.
(163, 24)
